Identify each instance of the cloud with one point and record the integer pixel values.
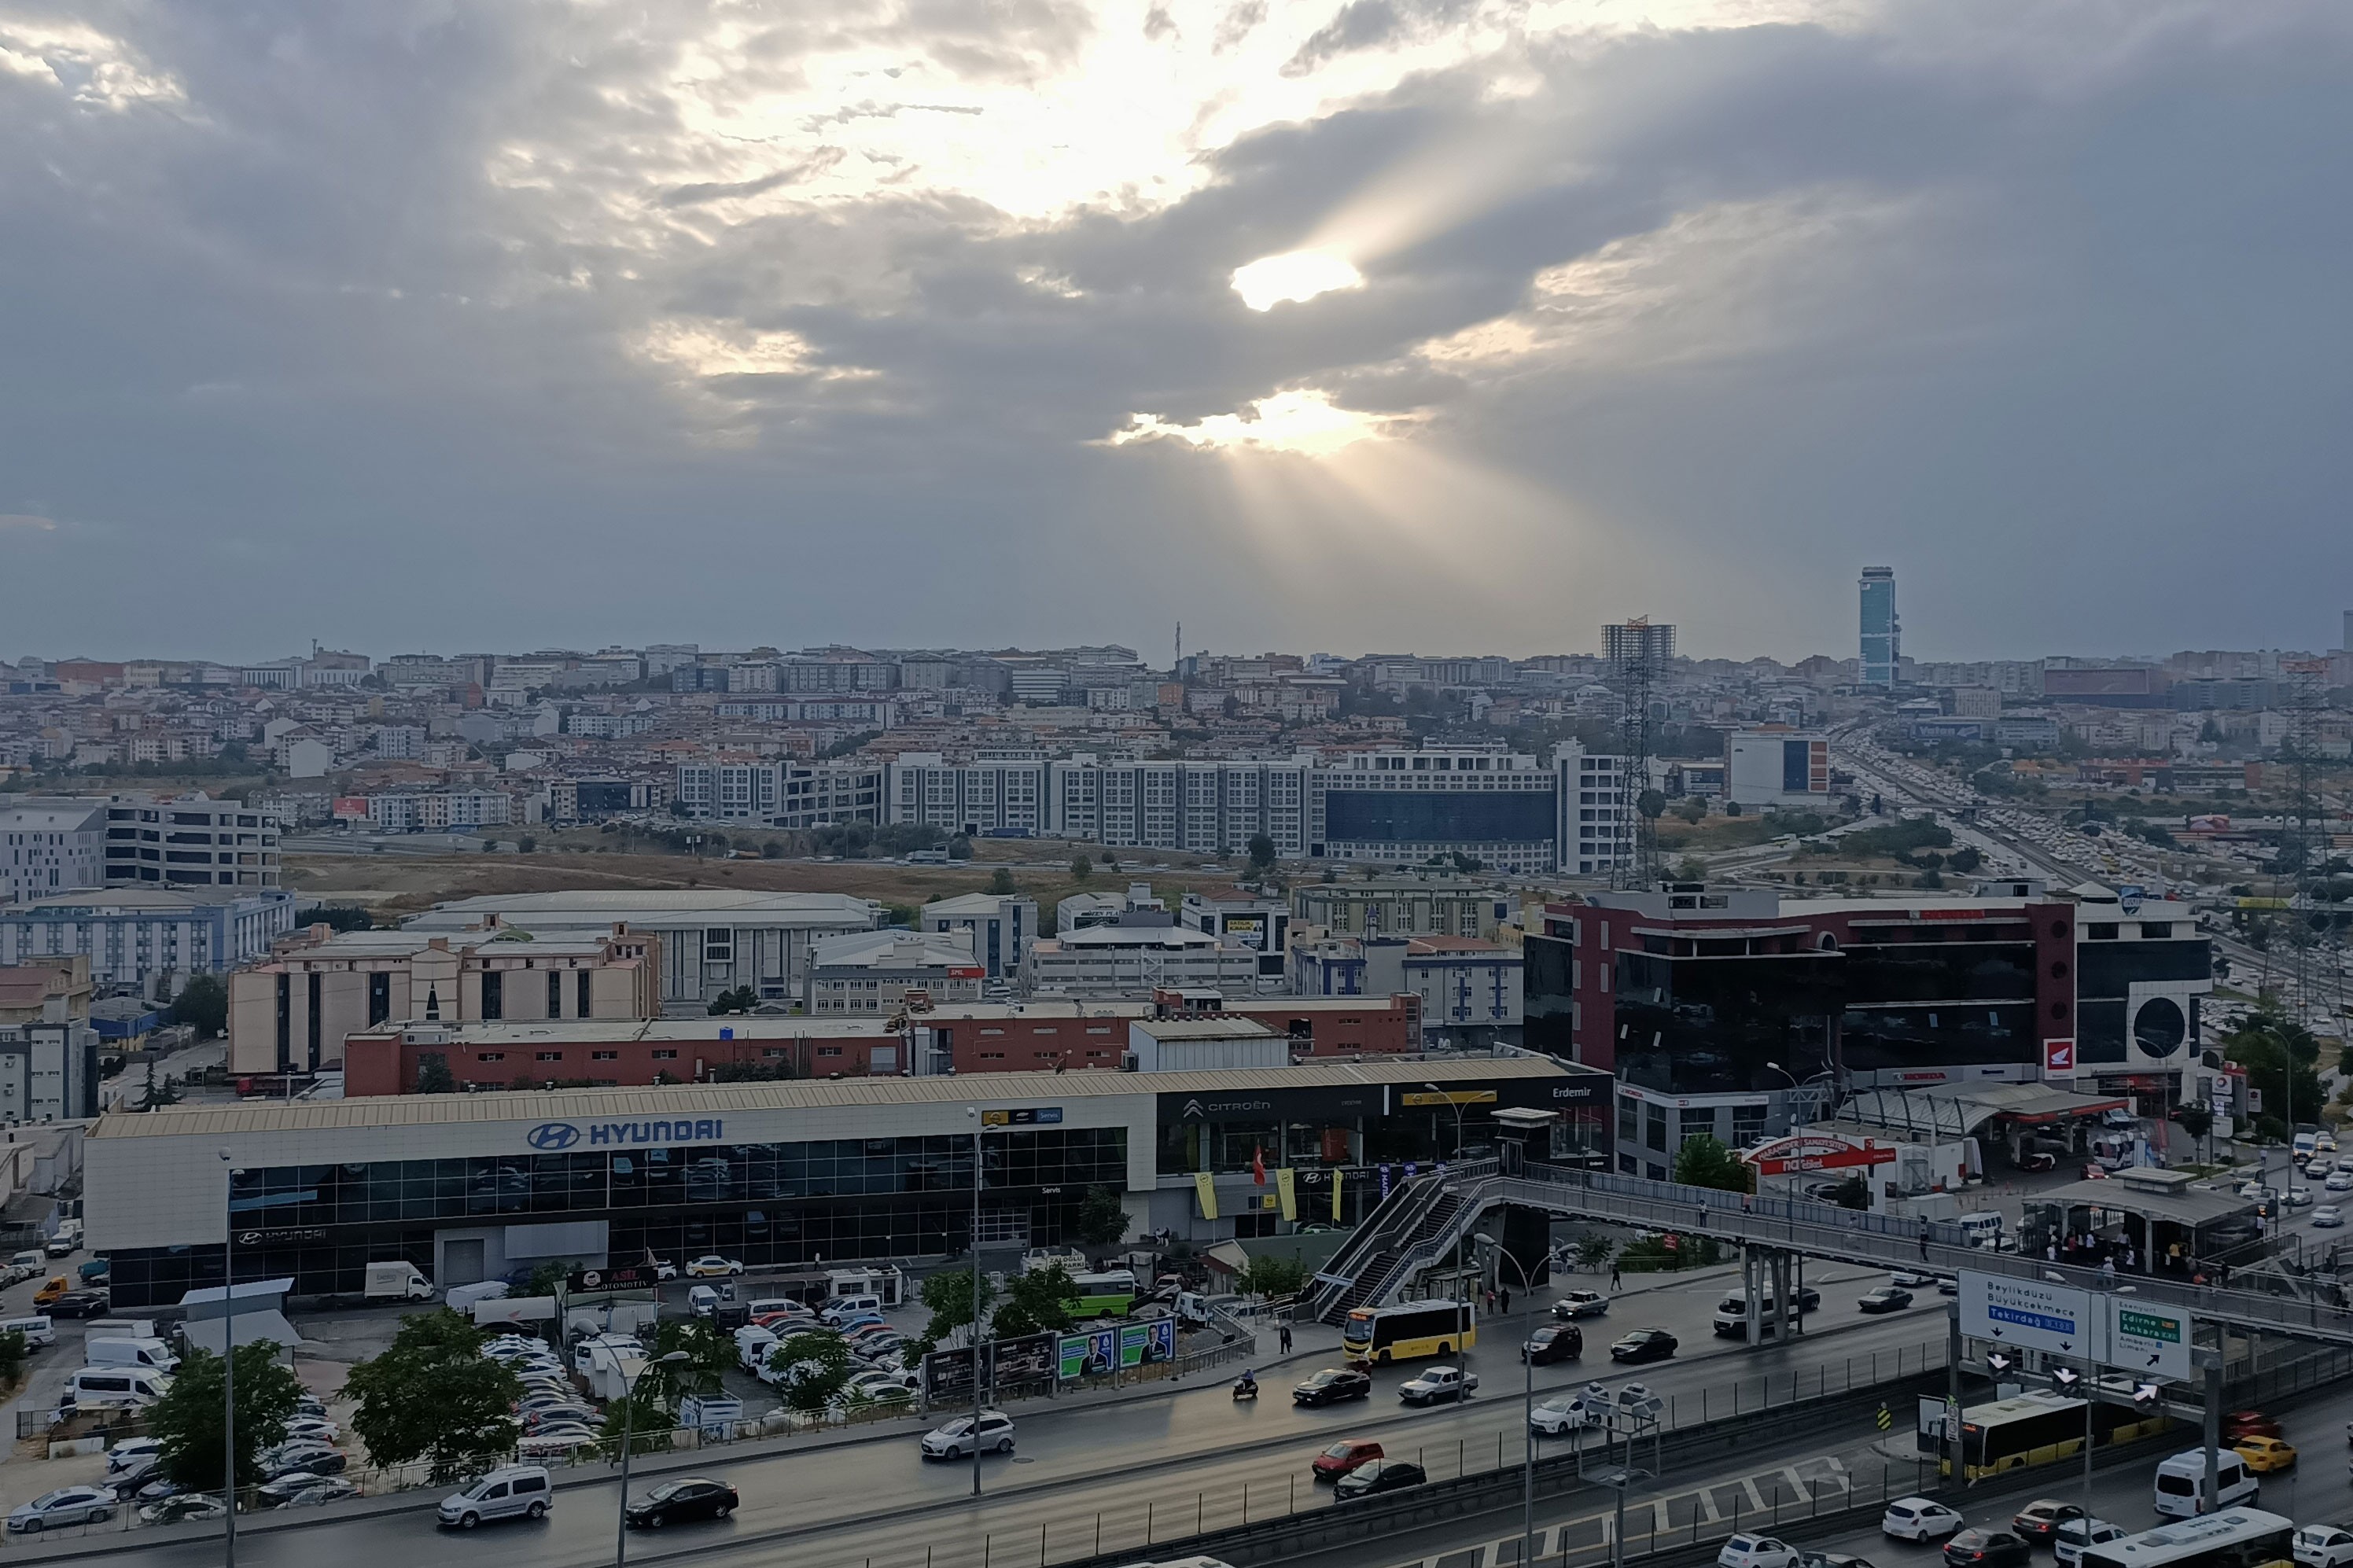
(1303, 420)
(21, 522)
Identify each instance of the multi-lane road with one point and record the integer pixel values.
(1164, 1465)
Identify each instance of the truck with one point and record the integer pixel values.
(397, 1283)
(150, 1355)
(67, 1240)
(121, 1329)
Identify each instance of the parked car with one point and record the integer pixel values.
(1644, 1344)
(304, 1491)
(1757, 1551)
(1376, 1477)
(298, 1459)
(1342, 1457)
(132, 1451)
(955, 1440)
(185, 1507)
(1885, 1299)
(2037, 1519)
(711, 1266)
(2037, 1160)
(1332, 1385)
(1553, 1343)
(1437, 1384)
(1988, 1549)
(682, 1501)
(1575, 1304)
(1917, 1519)
(2323, 1546)
(313, 1429)
(511, 1491)
(77, 1304)
(66, 1506)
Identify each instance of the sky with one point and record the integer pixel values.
(1435, 325)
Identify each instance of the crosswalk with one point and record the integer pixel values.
(1763, 1501)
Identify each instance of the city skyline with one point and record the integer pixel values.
(435, 329)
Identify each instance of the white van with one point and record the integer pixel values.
(95, 1387)
(511, 1491)
(152, 1354)
(838, 1308)
(702, 1300)
(752, 1344)
(583, 1354)
(2182, 1481)
(1983, 1228)
(39, 1333)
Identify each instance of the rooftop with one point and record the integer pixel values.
(970, 904)
(99, 898)
(1216, 1028)
(719, 1100)
(604, 905)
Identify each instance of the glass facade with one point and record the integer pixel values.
(786, 1203)
(1708, 1025)
(1407, 816)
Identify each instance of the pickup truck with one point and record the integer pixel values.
(1440, 1383)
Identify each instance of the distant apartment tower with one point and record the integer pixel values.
(1881, 638)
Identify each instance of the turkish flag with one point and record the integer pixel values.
(1258, 1164)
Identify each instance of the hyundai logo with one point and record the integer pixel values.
(554, 1136)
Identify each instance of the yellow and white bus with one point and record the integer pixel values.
(2236, 1537)
(1407, 1332)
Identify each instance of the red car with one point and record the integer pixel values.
(2240, 1424)
(1345, 1456)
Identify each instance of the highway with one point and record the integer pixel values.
(1167, 1465)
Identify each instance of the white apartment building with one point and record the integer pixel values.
(1130, 960)
(190, 841)
(440, 811)
(1597, 815)
(872, 972)
(783, 794)
(1400, 807)
(152, 940)
(51, 846)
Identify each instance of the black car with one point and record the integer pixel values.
(1332, 1385)
(678, 1501)
(1988, 1549)
(1375, 1477)
(1644, 1344)
(2039, 1521)
(77, 1304)
(1886, 1298)
(1552, 1343)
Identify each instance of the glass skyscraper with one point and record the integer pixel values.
(1881, 638)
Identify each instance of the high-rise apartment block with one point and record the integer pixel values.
(1882, 640)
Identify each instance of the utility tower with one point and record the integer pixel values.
(1638, 653)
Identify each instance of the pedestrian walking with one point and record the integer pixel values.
(1924, 1240)
(1614, 1278)
(1507, 1300)
(1282, 1337)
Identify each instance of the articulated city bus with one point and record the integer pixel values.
(1407, 1332)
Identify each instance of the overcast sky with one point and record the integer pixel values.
(501, 326)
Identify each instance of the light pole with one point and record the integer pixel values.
(1458, 1140)
(1527, 1400)
(228, 1354)
(973, 1337)
(628, 1418)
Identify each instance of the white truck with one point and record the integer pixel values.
(397, 1283)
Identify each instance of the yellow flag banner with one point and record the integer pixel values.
(1205, 1187)
(1335, 1198)
(1290, 1197)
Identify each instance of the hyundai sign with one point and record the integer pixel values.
(554, 1137)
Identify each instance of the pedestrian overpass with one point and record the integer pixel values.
(1422, 1222)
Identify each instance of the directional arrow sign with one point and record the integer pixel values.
(2147, 1340)
(2027, 1313)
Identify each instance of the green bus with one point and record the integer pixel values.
(1109, 1294)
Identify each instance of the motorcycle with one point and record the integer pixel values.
(1245, 1388)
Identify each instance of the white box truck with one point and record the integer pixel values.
(397, 1283)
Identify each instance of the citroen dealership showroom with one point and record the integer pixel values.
(792, 1174)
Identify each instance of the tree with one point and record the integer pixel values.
(1272, 1276)
(1692, 809)
(1651, 803)
(12, 1357)
(433, 1075)
(1035, 1302)
(1081, 868)
(1261, 853)
(1703, 1162)
(1592, 1251)
(525, 845)
(949, 1297)
(812, 1367)
(432, 1395)
(645, 1415)
(1966, 859)
(1732, 808)
(1000, 882)
(159, 1092)
(186, 1422)
(740, 999)
(203, 1003)
(959, 847)
(1102, 1218)
(710, 1354)
(2280, 1056)
(336, 917)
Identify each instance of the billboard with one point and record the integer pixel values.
(1090, 1352)
(947, 1375)
(350, 808)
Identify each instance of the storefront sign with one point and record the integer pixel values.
(1023, 1116)
(1791, 1156)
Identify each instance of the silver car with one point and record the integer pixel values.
(67, 1505)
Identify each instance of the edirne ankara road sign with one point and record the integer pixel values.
(2149, 1340)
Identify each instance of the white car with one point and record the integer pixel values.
(1440, 1383)
(1918, 1518)
(955, 1440)
(2327, 1217)
(312, 1429)
(2299, 1197)
(711, 1266)
(1574, 1304)
(131, 1453)
(2323, 1546)
(67, 1505)
(2067, 1541)
(1757, 1551)
(2340, 1180)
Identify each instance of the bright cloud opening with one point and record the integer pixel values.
(1296, 275)
(1305, 421)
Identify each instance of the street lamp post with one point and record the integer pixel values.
(628, 1416)
(1459, 1140)
(1527, 1400)
(972, 1337)
(228, 1355)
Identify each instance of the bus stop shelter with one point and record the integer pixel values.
(2144, 1220)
